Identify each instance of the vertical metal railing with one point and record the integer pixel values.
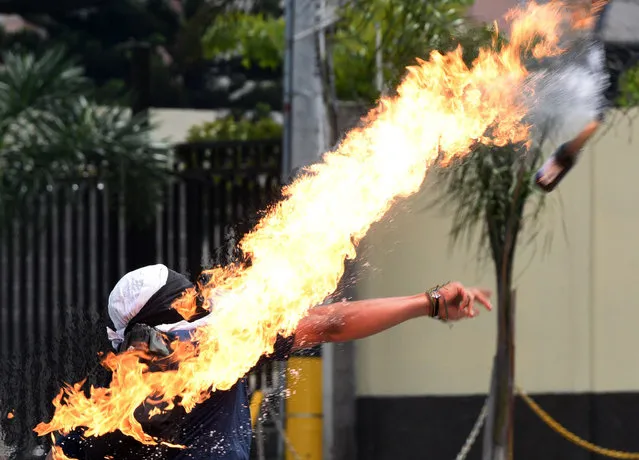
(60, 259)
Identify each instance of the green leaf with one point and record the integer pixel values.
(410, 30)
(257, 38)
(258, 126)
(51, 131)
(486, 191)
(629, 88)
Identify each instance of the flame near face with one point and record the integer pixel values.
(298, 249)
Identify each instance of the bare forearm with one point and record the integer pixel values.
(345, 321)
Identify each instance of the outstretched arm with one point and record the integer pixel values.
(345, 321)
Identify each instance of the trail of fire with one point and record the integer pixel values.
(298, 249)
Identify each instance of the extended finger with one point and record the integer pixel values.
(483, 297)
(472, 311)
(469, 299)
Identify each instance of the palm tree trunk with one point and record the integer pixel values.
(498, 434)
(499, 430)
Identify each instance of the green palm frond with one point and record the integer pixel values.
(51, 131)
(30, 81)
(487, 191)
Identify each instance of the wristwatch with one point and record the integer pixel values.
(433, 296)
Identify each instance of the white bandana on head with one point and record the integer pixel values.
(130, 294)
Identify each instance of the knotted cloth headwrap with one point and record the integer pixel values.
(145, 296)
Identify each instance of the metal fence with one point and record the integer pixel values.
(76, 243)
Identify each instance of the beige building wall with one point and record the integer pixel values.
(172, 125)
(491, 10)
(577, 314)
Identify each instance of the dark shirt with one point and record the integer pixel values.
(217, 429)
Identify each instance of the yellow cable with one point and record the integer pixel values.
(555, 425)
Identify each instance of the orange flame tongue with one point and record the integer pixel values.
(57, 453)
(297, 251)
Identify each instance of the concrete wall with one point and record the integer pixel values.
(173, 124)
(577, 315)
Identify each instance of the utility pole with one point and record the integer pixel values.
(304, 142)
(289, 17)
(306, 88)
(338, 360)
(309, 130)
(310, 110)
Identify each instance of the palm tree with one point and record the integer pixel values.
(52, 131)
(492, 192)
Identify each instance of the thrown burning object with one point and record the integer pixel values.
(614, 46)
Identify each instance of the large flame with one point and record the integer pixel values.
(585, 14)
(297, 251)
